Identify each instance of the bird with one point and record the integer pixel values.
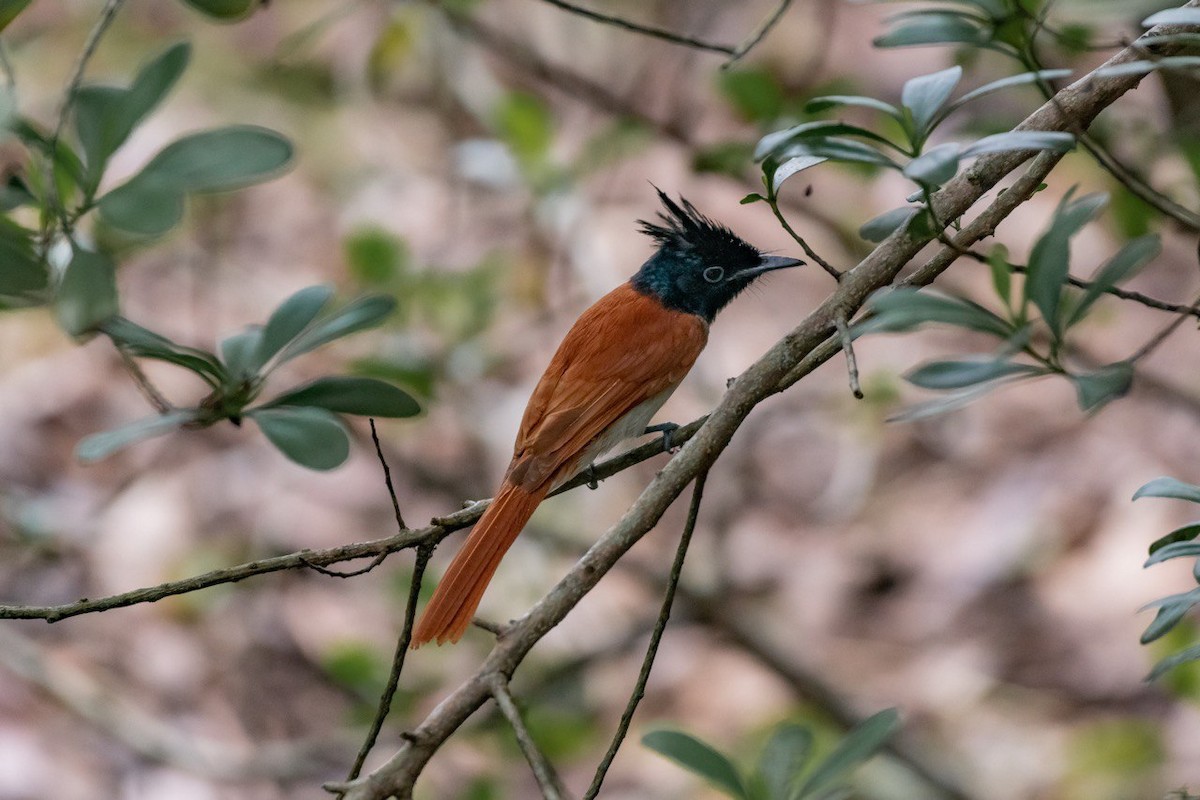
(612, 372)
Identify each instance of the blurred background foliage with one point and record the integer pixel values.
(483, 164)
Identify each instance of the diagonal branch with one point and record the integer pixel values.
(645, 30)
(1076, 105)
(543, 771)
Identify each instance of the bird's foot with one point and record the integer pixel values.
(667, 429)
(593, 480)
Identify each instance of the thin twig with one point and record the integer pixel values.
(387, 477)
(107, 14)
(851, 362)
(334, 573)
(825, 265)
(543, 771)
(153, 396)
(424, 553)
(758, 34)
(639, 688)
(1162, 335)
(646, 30)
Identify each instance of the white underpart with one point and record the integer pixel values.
(627, 427)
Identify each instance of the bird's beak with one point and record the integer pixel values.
(769, 264)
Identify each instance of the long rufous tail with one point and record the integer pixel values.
(453, 604)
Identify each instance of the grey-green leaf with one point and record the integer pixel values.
(142, 208)
(224, 10)
(961, 374)
(1049, 260)
(138, 341)
(698, 757)
(219, 160)
(1188, 549)
(905, 308)
(22, 273)
(1095, 389)
(1141, 67)
(1173, 16)
(101, 445)
(834, 100)
(1171, 610)
(784, 759)
(1172, 661)
(291, 318)
(858, 746)
(366, 397)
(87, 295)
(366, 312)
(1169, 487)
(925, 95)
(933, 29)
(935, 166)
(312, 437)
(1185, 534)
(1122, 266)
(790, 167)
(240, 353)
(1058, 141)
(1011, 80)
(879, 228)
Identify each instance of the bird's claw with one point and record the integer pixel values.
(593, 480)
(667, 429)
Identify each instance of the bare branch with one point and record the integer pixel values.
(660, 625)
(645, 30)
(387, 477)
(808, 251)
(847, 342)
(758, 34)
(543, 771)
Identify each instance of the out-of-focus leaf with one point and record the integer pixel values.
(698, 757)
(834, 100)
(523, 121)
(1125, 264)
(945, 403)
(144, 210)
(1169, 487)
(1050, 259)
(924, 96)
(905, 308)
(240, 353)
(1173, 16)
(754, 92)
(224, 10)
(784, 759)
(859, 745)
(146, 344)
(879, 228)
(376, 256)
(1170, 611)
(1095, 389)
(21, 271)
(291, 318)
(101, 445)
(935, 166)
(1001, 272)
(934, 28)
(961, 374)
(1177, 549)
(1142, 67)
(1058, 141)
(350, 395)
(1185, 534)
(790, 167)
(312, 437)
(837, 148)
(1171, 662)
(817, 130)
(1005, 83)
(723, 158)
(9, 9)
(87, 295)
(366, 312)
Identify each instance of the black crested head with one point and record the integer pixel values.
(700, 265)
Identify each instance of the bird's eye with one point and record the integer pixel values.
(714, 274)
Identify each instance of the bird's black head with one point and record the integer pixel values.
(700, 265)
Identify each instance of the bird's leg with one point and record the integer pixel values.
(667, 429)
(593, 480)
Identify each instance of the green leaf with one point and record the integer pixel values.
(366, 312)
(753, 197)
(788, 168)
(936, 28)
(106, 115)
(524, 123)
(826, 102)
(784, 758)
(1095, 389)
(1169, 487)
(1125, 264)
(376, 256)
(1185, 534)
(945, 403)
(138, 341)
(755, 93)
(1173, 16)
(240, 353)
(151, 202)
(9, 9)
(935, 166)
(349, 395)
(924, 96)
(836, 148)
(291, 318)
(1058, 141)
(858, 746)
(224, 10)
(101, 445)
(1171, 662)
(818, 130)
(1050, 259)
(1142, 67)
(879, 228)
(312, 437)
(1001, 273)
(87, 295)
(22, 273)
(961, 374)
(1005, 83)
(698, 757)
(1173, 550)
(1171, 610)
(905, 308)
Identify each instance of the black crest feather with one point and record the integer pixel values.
(684, 228)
